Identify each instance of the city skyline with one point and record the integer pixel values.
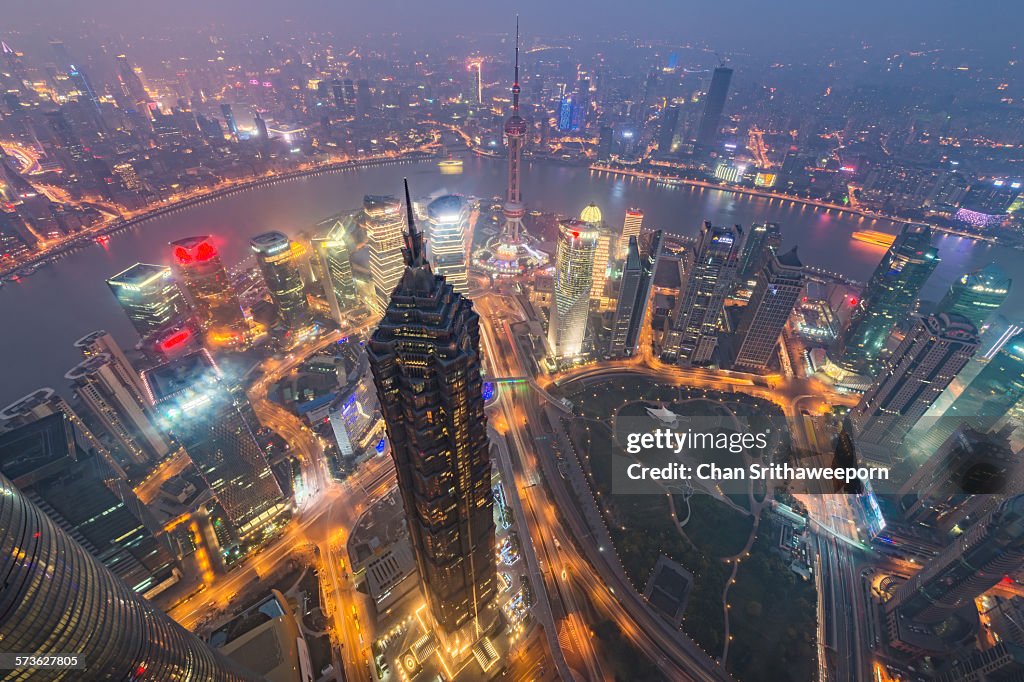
(386, 343)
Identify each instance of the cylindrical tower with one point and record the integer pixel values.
(57, 599)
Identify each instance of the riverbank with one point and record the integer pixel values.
(88, 237)
(781, 196)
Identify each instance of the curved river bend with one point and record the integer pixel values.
(43, 314)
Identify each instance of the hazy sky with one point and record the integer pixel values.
(748, 25)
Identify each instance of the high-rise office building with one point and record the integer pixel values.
(888, 299)
(74, 488)
(667, 129)
(44, 402)
(631, 226)
(694, 334)
(591, 215)
(977, 295)
(229, 118)
(758, 243)
(101, 342)
(332, 250)
(574, 281)
(58, 598)
(933, 352)
(447, 234)
(364, 98)
(149, 296)
(384, 224)
(279, 266)
(476, 88)
(634, 296)
(714, 104)
(962, 481)
(207, 415)
(934, 610)
(425, 357)
(207, 284)
(778, 288)
(99, 385)
(994, 392)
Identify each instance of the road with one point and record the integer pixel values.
(588, 559)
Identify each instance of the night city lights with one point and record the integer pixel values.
(457, 341)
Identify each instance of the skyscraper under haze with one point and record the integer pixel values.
(336, 267)
(447, 232)
(58, 598)
(207, 415)
(758, 243)
(279, 266)
(425, 358)
(995, 391)
(116, 405)
(206, 281)
(634, 296)
(384, 224)
(694, 334)
(977, 295)
(714, 104)
(778, 287)
(149, 296)
(888, 299)
(574, 280)
(934, 610)
(81, 494)
(922, 366)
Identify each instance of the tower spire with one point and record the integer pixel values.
(515, 84)
(413, 238)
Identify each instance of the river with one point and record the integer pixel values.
(43, 314)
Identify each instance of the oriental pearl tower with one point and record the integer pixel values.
(514, 251)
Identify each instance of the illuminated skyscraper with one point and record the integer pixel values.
(630, 228)
(447, 232)
(977, 295)
(888, 298)
(778, 287)
(149, 296)
(77, 491)
(98, 384)
(57, 598)
(336, 267)
(425, 357)
(476, 88)
(384, 224)
(634, 296)
(934, 610)
(206, 281)
(930, 356)
(591, 215)
(278, 261)
(574, 281)
(714, 104)
(206, 414)
(694, 334)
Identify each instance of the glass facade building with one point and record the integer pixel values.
(58, 598)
